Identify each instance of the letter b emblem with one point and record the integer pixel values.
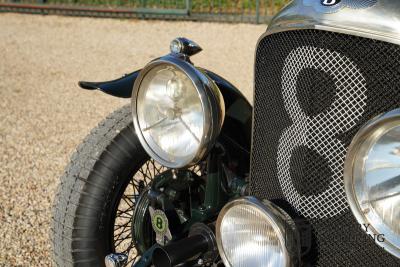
(330, 2)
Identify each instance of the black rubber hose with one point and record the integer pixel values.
(180, 251)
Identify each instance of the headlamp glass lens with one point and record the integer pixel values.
(249, 238)
(170, 113)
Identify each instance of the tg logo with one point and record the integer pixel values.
(379, 238)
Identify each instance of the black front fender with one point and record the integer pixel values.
(121, 87)
(238, 111)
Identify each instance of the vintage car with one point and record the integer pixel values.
(191, 174)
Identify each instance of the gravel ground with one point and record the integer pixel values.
(43, 114)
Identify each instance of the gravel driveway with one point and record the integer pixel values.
(43, 114)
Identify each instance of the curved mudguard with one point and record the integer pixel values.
(238, 111)
(121, 87)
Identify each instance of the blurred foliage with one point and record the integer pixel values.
(266, 7)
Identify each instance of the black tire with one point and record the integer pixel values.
(91, 188)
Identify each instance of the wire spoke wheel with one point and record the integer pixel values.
(101, 205)
(123, 241)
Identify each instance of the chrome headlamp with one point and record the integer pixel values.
(178, 111)
(372, 180)
(257, 234)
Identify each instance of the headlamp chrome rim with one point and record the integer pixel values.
(211, 101)
(280, 221)
(363, 141)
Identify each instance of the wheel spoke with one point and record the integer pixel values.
(123, 226)
(119, 226)
(118, 237)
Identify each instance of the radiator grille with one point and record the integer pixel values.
(313, 92)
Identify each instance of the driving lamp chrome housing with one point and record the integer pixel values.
(372, 180)
(178, 111)
(257, 234)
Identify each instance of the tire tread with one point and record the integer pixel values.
(72, 193)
